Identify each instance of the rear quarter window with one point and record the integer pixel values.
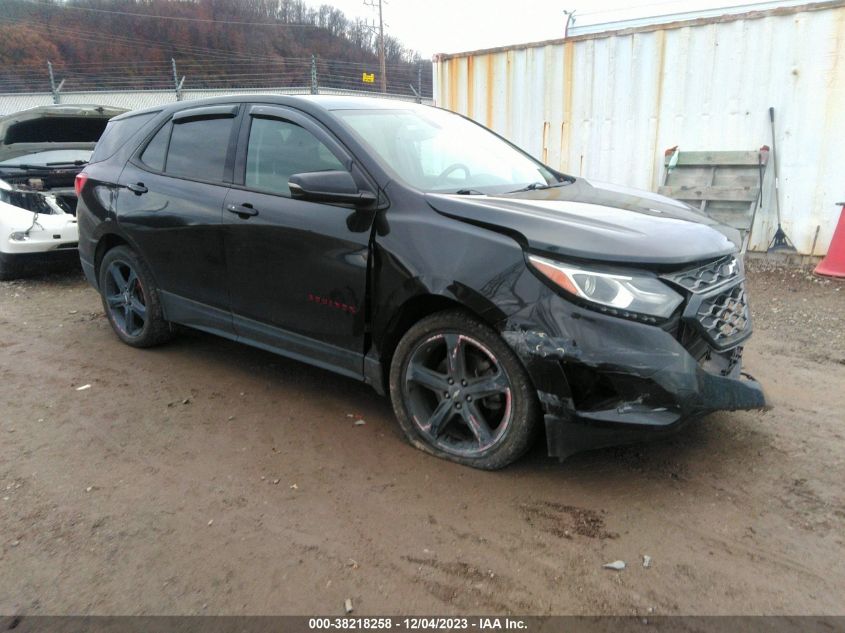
(156, 150)
(117, 132)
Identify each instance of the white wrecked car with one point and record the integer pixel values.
(41, 151)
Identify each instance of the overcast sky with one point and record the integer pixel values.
(450, 26)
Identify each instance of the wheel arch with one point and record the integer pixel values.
(111, 238)
(413, 307)
(107, 242)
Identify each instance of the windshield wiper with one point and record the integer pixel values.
(536, 186)
(47, 166)
(531, 187)
(74, 163)
(469, 192)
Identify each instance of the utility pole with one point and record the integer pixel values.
(381, 49)
(381, 61)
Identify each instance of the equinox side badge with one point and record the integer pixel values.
(331, 303)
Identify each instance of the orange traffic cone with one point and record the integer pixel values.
(833, 265)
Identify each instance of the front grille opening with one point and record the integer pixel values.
(590, 390)
(723, 363)
(690, 337)
(601, 391)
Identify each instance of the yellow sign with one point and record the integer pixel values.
(368, 78)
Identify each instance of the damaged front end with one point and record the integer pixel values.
(608, 376)
(29, 187)
(42, 150)
(37, 230)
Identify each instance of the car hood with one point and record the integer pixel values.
(37, 129)
(597, 221)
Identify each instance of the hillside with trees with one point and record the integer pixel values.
(215, 43)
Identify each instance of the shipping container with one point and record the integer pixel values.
(608, 104)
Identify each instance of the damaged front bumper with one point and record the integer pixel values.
(604, 381)
(35, 231)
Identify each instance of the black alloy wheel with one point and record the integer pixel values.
(460, 392)
(131, 299)
(124, 297)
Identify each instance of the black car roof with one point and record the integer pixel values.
(309, 103)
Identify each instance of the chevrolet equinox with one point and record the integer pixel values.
(417, 251)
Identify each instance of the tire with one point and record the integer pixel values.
(487, 416)
(131, 299)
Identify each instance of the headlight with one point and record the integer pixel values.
(623, 295)
(19, 236)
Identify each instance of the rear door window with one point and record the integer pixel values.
(198, 148)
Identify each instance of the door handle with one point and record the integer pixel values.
(138, 188)
(243, 211)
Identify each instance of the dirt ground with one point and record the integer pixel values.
(205, 477)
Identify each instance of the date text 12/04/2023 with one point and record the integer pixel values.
(418, 623)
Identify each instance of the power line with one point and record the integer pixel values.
(100, 38)
(206, 67)
(176, 18)
(202, 76)
(230, 57)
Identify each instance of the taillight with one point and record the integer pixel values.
(79, 183)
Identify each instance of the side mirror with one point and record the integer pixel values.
(329, 186)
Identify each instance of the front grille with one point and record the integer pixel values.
(710, 275)
(715, 315)
(724, 317)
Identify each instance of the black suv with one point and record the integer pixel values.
(411, 248)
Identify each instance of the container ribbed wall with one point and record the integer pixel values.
(607, 105)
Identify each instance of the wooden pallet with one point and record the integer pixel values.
(725, 185)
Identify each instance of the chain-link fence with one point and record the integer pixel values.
(139, 84)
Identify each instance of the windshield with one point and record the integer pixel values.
(437, 151)
(50, 156)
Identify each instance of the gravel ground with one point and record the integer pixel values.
(804, 310)
(207, 477)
